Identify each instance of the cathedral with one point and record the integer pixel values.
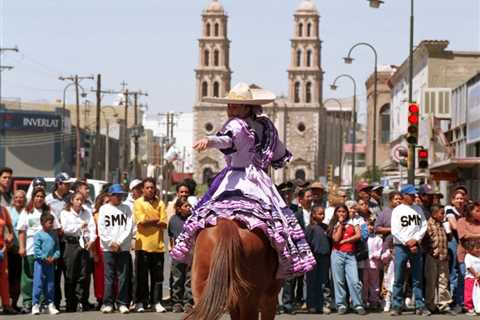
(299, 117)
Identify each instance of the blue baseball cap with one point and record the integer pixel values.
(408, 189)
(39, 181)
(63, 177)
(116, 189)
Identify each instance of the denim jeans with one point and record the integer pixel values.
(117, 264)
(459, 296)
(317, 279)
(344, 267)
(43, 282)
(149, 263)
(402, 255)
(181, 284)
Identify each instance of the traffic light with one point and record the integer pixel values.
(412, 135)
(423, 158)
(87, 145)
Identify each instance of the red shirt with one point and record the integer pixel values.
(349, 247)
(5, 220)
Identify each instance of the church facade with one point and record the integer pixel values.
(299, 117)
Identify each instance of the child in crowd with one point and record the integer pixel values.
(472, 274)
(388, 275)
(371, 268)
(98, 273)
(435, 245)
(79, 236)
(115, 228)
(181, 273)
(46, 251)
(317, 237)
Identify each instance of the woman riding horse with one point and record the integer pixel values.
(243, 236)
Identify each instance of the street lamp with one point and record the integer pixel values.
(334, 86)
(348, 60)
(411, 147)
(342, 118)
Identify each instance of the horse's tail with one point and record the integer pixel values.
(225, 283)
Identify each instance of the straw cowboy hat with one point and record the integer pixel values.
(243, 93)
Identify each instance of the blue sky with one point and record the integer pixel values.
(152, 44)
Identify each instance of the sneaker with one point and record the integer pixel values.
(342, 310)
(326, 310)
(360, 311)
(471, 313)
(139, 307)
(159, 308)
(123, 309)
(36, 309)
(52, 309)
(387, 306)
(395, 312)
(26, 310)
(107, 309)
(423, 312)
(177, 308)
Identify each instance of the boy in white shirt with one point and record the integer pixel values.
(115, 232)
(408, 228)
(472, 274)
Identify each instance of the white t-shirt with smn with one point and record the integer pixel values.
(471, 262)
(30, 223)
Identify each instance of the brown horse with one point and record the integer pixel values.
(234, 271)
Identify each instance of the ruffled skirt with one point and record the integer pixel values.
(248, 195)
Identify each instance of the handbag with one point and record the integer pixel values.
(476, 296)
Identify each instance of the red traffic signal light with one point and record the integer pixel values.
(423, 159)
(413, 110)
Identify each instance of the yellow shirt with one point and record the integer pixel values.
(149, 238)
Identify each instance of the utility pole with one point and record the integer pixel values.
(76, 82)
(137, 129)
(96, 151)
(2, 67)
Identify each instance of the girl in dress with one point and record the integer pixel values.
(243, 191)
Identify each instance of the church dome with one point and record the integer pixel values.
(307, 6)
(215, 6)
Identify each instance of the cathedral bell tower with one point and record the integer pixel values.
(305, 74)
(213, 73)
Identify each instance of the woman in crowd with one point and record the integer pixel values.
(468, 228)
(28, 225)
(345, 236)
(453, 213)
(79, 235)
(99, 273)
(14, 259)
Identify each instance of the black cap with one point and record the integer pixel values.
(285, 187)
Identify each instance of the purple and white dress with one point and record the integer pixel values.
(243, 191)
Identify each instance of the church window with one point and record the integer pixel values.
(385, 124)
(299, 58)
(301, 127)
(216, 58)
(216, 89)
(309, 30)
(207, 175)
(297, 92)
(308, 96)
(208, 127)
(204, 89)
(300, 29)
(217, 29)
(206, 58)
(208, 31)
(309, 58)
(300, 174)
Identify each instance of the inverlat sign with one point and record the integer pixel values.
(30, 121)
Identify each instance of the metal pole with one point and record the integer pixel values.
(375, 133)
(411, 147)
(354, 137)
(96, 148)
(135, 119)
(77, 130)
(126, 152)
(107, 151)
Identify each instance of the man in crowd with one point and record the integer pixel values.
(182, 191)
(425, 192)
(376, 202)
(5, 185)
(56, 201)
(136, 191)
(408, 228)
(151, 220)
(318, 190)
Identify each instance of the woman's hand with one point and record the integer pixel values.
(201, 144)
(21, 252)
